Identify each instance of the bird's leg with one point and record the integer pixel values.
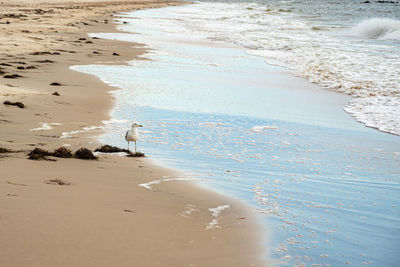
(135, 146)
(128, 145)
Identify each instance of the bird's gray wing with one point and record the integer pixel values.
(126, 135)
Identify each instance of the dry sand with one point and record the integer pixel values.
(101, 216)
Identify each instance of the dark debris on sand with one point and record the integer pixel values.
(84, 153)
(5, 150)
(136, 155)
(111, 149)
(39, 154)
(42, 53)
(18, 104)
(57, 182)
(114, 149)
(62, 152)
(45, 61)
(12, 76)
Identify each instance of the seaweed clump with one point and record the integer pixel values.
(111, 149)
(4, 150)
(114, 149)
(62, 152)
(12, 76)
(136, 155)
(39, 154)
(57, 182)
(84, 153)
(18, 104)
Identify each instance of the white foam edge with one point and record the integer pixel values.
(45, 126)
(114, 121)
(212, 225)
(153, 182)
(259, 129)
(216, 212)
(84, 129)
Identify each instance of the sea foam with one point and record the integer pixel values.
(366, 70)
(215, 213)
(377, 28)
(45, 126)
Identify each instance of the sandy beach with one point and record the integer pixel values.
(98, 215)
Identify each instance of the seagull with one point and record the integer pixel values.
(132, 134)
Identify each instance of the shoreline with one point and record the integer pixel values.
(291, 171)
(87, 221)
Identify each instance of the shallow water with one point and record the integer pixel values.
(326, 187)
(345, 45)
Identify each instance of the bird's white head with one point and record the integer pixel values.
(135, 125)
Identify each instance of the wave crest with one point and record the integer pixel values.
(377, 28)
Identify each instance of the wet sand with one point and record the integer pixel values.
(101, 216)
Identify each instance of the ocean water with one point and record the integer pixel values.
(346, 46)
(224, 99)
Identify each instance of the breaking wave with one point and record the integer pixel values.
(377, 28)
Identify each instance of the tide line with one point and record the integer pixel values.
(149, 184)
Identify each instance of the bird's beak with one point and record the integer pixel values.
(139, 125)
